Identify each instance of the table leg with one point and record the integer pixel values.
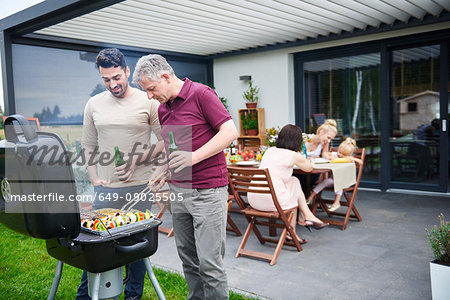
(272, 229)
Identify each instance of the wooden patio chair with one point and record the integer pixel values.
(259, 181)
(348, 199)
(163, 206)
(231, 225)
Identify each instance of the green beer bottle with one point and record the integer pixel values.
(172, 145)
(118, 160)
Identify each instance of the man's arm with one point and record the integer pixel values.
(89, 144)
(226, 134)
(93, 176)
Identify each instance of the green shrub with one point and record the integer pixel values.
(439, 241)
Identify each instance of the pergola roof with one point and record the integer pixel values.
(214, 27)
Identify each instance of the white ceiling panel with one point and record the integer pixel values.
(208, 27)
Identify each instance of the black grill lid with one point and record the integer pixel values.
(28, 174)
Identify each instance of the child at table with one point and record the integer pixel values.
(345, 150)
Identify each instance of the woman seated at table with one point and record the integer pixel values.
(345, 150)
(280, 161)
(317, 145)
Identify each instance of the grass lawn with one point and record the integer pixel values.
(26, 272)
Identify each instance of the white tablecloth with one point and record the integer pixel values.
(344, 174)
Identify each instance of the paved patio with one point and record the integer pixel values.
(386, 256)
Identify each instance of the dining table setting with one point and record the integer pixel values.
(344, 172)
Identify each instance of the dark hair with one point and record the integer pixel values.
(290, 137)
(111, 58)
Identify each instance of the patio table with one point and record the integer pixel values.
(344, 174)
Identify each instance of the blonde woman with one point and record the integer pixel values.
(317, 145)
(345, 150)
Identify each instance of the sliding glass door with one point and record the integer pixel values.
(392, 97)
(347, 89)
(415, 118)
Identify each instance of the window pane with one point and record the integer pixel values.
(347, 89)
(415, 132)
(55, 84)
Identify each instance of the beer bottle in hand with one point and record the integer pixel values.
(172, 146)
(118, 161)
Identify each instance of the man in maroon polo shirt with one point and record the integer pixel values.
(202, 128)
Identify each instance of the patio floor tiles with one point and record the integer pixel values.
(385, 256)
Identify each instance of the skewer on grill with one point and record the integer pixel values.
(129, 205)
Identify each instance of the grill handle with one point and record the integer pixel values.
(132, 248)
(10, 131)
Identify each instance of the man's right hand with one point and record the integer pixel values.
(93, 176)
(158, 178)
(99, 181)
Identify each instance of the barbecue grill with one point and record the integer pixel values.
(28, 171)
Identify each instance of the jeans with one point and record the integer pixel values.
(199, 223)
(135, 286)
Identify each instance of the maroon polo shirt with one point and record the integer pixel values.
(195, 116)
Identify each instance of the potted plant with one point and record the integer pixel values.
(250, 123)
(440, 266)
(251, 95)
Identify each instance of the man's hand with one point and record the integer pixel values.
(125, 171)
(179, 160)
(93, 176)
(158, 178)
(99, 181)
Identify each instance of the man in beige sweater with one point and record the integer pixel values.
(121, 116)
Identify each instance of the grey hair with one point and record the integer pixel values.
(151, 66)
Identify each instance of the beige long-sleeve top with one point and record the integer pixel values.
(124, 122)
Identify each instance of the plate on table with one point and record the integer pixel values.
(319, 160)
(247, 163)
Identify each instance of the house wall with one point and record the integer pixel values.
(272, 72)
(427, 110)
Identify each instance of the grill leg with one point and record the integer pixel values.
(153, 279)
(56, 279)
(96, 288)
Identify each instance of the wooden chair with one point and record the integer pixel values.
(232, 226)
(348, 199)
(259, 181)
(163, 206)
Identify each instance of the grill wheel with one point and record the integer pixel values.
(6, 190)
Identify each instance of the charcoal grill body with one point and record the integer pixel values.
(27, 173)
(95, 254)
(24, 173)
